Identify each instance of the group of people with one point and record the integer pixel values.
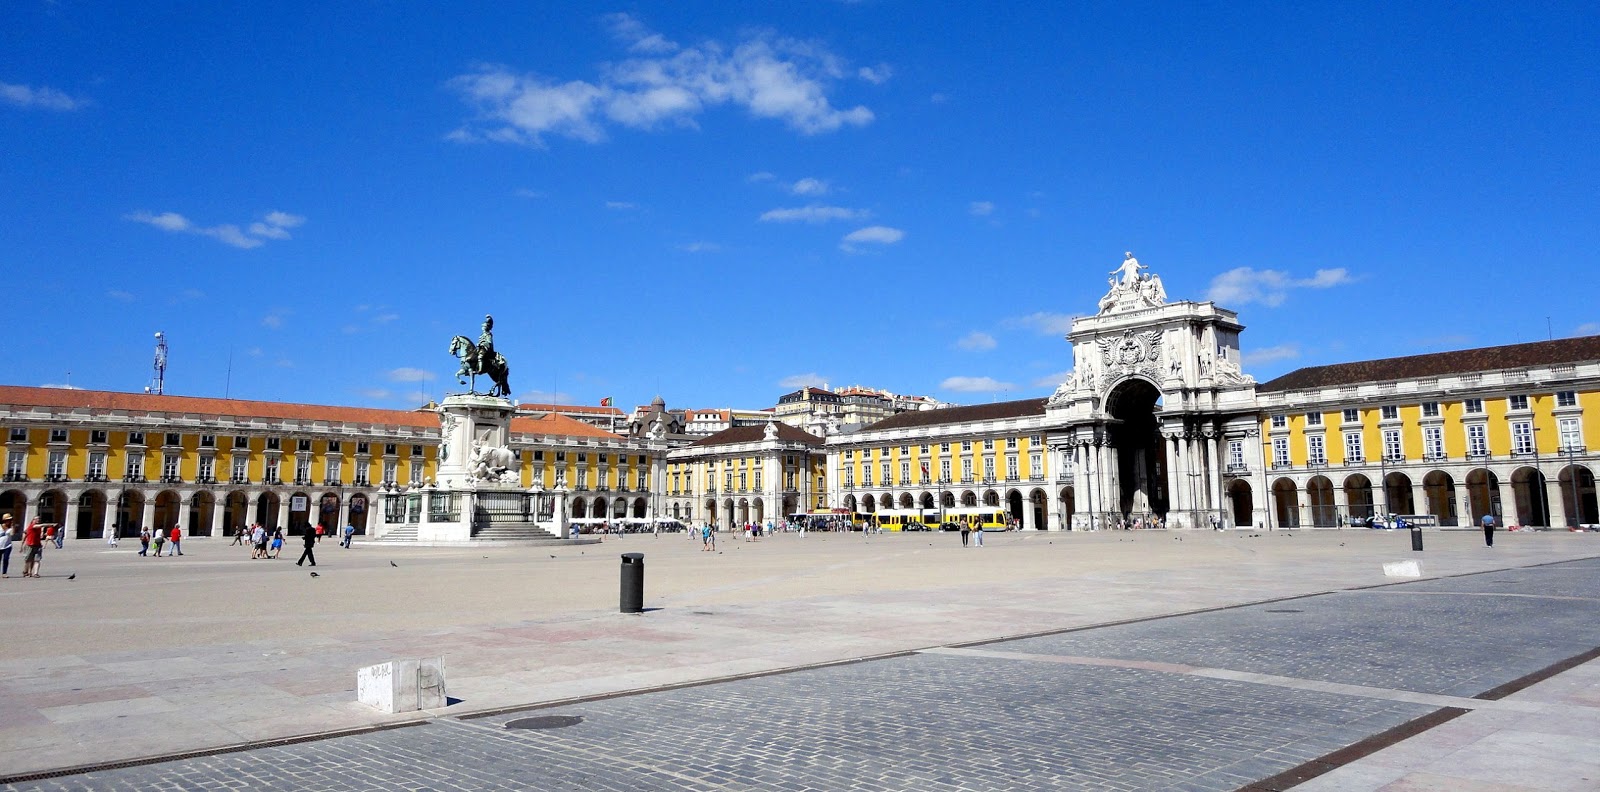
(32, 538)
(160, 538)
(268, 544)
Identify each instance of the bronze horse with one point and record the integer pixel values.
(494, 368)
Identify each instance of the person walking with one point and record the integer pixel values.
(160, 538)
(311, 544)
(175, 537)
(238, 537)
(6, 531)
(349, 534)
(144, 541)
(1488, 530)
(277, 544)
(966, 532)
(258, 541)
(60, 532)
(111, 534)
(33, 546)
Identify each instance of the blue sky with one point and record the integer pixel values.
(716, 202)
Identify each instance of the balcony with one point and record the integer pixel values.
(302, 481)
(239, 480)
(96, 478)
(1036, 477)
(333, 482)
(1350, 461)
(56, 477)
(16, 476)
(1237, 469)
(205, 480)
(1064, 476)
(1316, 463)
(361, 481)
(171, 479)
(1283, 466)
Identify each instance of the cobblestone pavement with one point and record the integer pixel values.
(1124, 707)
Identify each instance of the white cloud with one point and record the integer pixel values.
(1051, 380)
(1587, 328)
(273, 226)
(813, 214)
(809, 186)
(254, 352)
(975, 385)
(60, 386)
(938, 99)
(410, 375)
(275, 317)
(385, 318)
(524, 192)
(1244, 285)
(876, 235)
(759, 177)
(976, 340)
(547, 397)
(376, 393)
(980, 208)
(877, 75)
(41, 97)
(120, 295)
(770, 77)
(810, 379)
(700, 247)
(1044, 323)
(1263, 355)
(621, 206)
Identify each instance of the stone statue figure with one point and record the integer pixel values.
(1135, 290)
(1129, 270)
(492, 463)
(480, 358)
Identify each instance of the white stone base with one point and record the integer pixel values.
(1402, 569)
(402, 685)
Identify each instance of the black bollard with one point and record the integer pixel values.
(1416, 538)
(632, 583)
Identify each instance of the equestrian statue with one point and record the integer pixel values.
(480, 358)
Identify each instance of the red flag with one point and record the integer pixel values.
(606, 402)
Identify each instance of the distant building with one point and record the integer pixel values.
(607, 417)
(704, 423)
(822, 411)
(746, 474)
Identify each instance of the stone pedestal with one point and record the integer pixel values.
(402, 685)
(472, 429)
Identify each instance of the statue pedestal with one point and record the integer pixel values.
(469, 427)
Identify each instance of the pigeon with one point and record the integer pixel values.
(313, 574)
(72, 576)
(1341, 544)
(552, 556)
(393, 564)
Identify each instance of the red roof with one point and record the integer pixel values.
(22, 396)
(568, 408)
(557, 424)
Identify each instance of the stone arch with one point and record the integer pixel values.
(327, 514)
(359, 507)
(1319, 498)
(268, 507)
(619, 508)
(991, 498)
(1286, 503)
(869, 504)
(640, 508)
(1483, 494)
(1578, 495)
(1137, 450)
(235, 512)
(299, 519)
(925, 500)
(1241, 501)
(1532, 497)
(52, 507)
(947, 500)
(1014, 506)
(202, 505)
(906, 500)
(1038, 509)
(727, 511)
(1358, 494)
(1439, 489)
(15, 503)
(850, 503)
(90, 519)
(166, 513)
(1069, 506)
(758, 511)
(969, 498)
(1397, 494)
(580, 508)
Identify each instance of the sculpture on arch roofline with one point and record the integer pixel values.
(1135, 289)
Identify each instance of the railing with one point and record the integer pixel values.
(1064, 476)
(1316, 463)
(1237, 469)
(205, 480)
(361, 481)
(134, 479)
(333, 482)
(171, 479)
(443, 507)
(1036, 477)
(239, 480)
(1282, 465)
(96, 478)
(505, 506)
(1355, 460)
(56, 477)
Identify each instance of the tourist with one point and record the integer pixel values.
(320, 529)
(258, 541)
(277, 544)
(977, 535)
(176, 536)
(33, 546)
(144, 541)
(966, 532)
(1488, 529)
(160, 538)
(6, 529)
(311, 543)
(708, 538)
(349, 534)
(238, 536)
(60, 532)
(111, 534)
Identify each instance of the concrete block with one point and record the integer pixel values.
(402, 685)
(1402, 569)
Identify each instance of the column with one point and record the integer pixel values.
(70, 517)
(283, 514)
(110, 518)
(1213, 471)
(344, 516)
(217, 511)
(1178, 498)
(147, 518)
(184, 509)
(1558, 503)
(1341, 504)
(1419, 497)
(1498, 498)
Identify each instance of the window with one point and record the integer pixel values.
(363, 448)
(1313, 419)
(604, 458)
(135, 466)
(966, 469)
(1280, 421)
(1316, 453)
(97, 436)
(416, 450)
(169, 466)
(1472, 406)
(333, 472)
(966, 445)
(274, 443)
(16, 464)
(208, 468)
(241, 469)
(944, 470)
(1392, 450)
(583, 459)
(849, 477)
(988, 468)
(1235, 454)
(334, 447)
(208, 441)
(1280, 452)
(1430, 409)
(1517, 402)
(416, 474)
(604, 481)
(302, 445)
(758, 478)
(1352, 416)
(240, 441)
(1011, 442)
(1036, 464)
(944, 448)
(1433, 442)
(58, 435)
(866, 475)
(136, 438)
(57, 466)
(391, 471)
(988, 444)
(1390, 412)
(1477, 442)
(1035, 439)
(1571, 434)
(269, 471)
(905, 449)
(97, 466)
(173, 439)
(1521, 437)
(1011, 468)
(302, 471)
(1352, 447)
(538, 456)
(20, 435)
(905, 472)
(885, 474)
(643, 480)
(1566, 398)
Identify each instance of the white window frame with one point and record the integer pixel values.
(1353, 448)
(56, 467)
(1235, 454)
(169, 465)
(1430, 409)
(944, 470)
(1280, 452)
(1517, 401)
(269, 470)
(333, 470)
(1316, 450)
(988, 468)
(1522, 437)
(97, 464)
(1313, 419)
(1433, 442)
(241, 468)
(1477, 440)
(1472, 406)
(1389, 412)
(1393, 446)
(208, 467)
(16, 463)
(1011, 468)
(1566, 398)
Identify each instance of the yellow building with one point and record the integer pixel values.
(747, 474)
(97, 460)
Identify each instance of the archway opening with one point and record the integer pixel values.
(1319, 496)
(1578, 495)
(1532, 496)
(1440, 491)
(91, 515)
(1286, 503)
(1242, 502)
(1358, 493)
(1140, 456)
(1483, 494)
